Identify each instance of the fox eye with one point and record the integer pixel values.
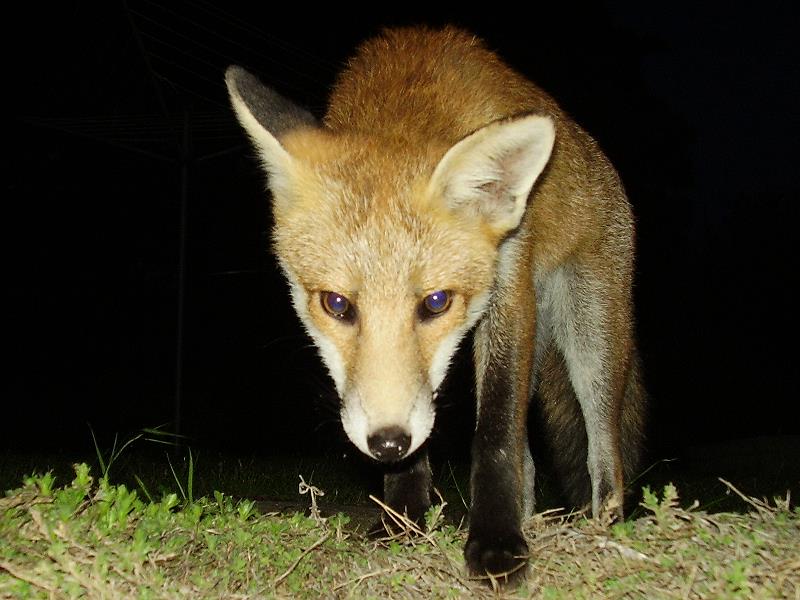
(338, 306)
(435, 304)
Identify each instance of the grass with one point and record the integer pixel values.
(165, 530)
(245, 475)
(92, 539)
(155, 470)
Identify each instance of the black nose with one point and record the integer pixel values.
(389, 444)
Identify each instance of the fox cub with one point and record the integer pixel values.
(443, 191)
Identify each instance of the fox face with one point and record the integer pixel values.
(384, 283)
(390, 249)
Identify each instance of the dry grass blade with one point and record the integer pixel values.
(762, 507)
(28, 577)
(409, 528)
(305, 553)
(359, 579)
(625, 551)
(402, 521)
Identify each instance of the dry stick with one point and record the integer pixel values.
(88, 584)
(358, 580)
(36, 517)
(21, 575)
(625, 551)
(762, 508)
(412, 526)
(402, 520)
(319, 542)
(790, 568)
(690, 583)
(313, 491)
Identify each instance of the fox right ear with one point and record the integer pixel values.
(490, 173)
(266, 116)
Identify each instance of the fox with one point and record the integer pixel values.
(443, 193)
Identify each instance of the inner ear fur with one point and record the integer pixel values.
(490, 173)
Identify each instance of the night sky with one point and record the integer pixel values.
(115, 110)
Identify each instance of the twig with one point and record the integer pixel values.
(358, 580)
(313, 491)
(305, 553)
(29, 578)
(690, 583)
(763, 508)
(411, 526)
(625, 551)
(400, 520)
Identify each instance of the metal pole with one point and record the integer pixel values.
(146, 58)
(181, 274)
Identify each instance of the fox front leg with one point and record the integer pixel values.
(502, 468)
(407, 490)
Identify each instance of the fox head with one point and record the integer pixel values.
(390, 247)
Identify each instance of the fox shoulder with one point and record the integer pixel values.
(424, 83)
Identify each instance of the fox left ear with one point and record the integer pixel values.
(490, 173)
(267, 117)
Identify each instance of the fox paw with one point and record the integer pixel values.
(501, 557)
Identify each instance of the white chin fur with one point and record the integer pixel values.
(355, 425)
(420, 421)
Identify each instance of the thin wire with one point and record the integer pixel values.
(186, 69)
(216, 34)
(228, 58)
(207, 122)
(221, 105)
(236, 21)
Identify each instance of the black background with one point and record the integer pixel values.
(697, 108)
